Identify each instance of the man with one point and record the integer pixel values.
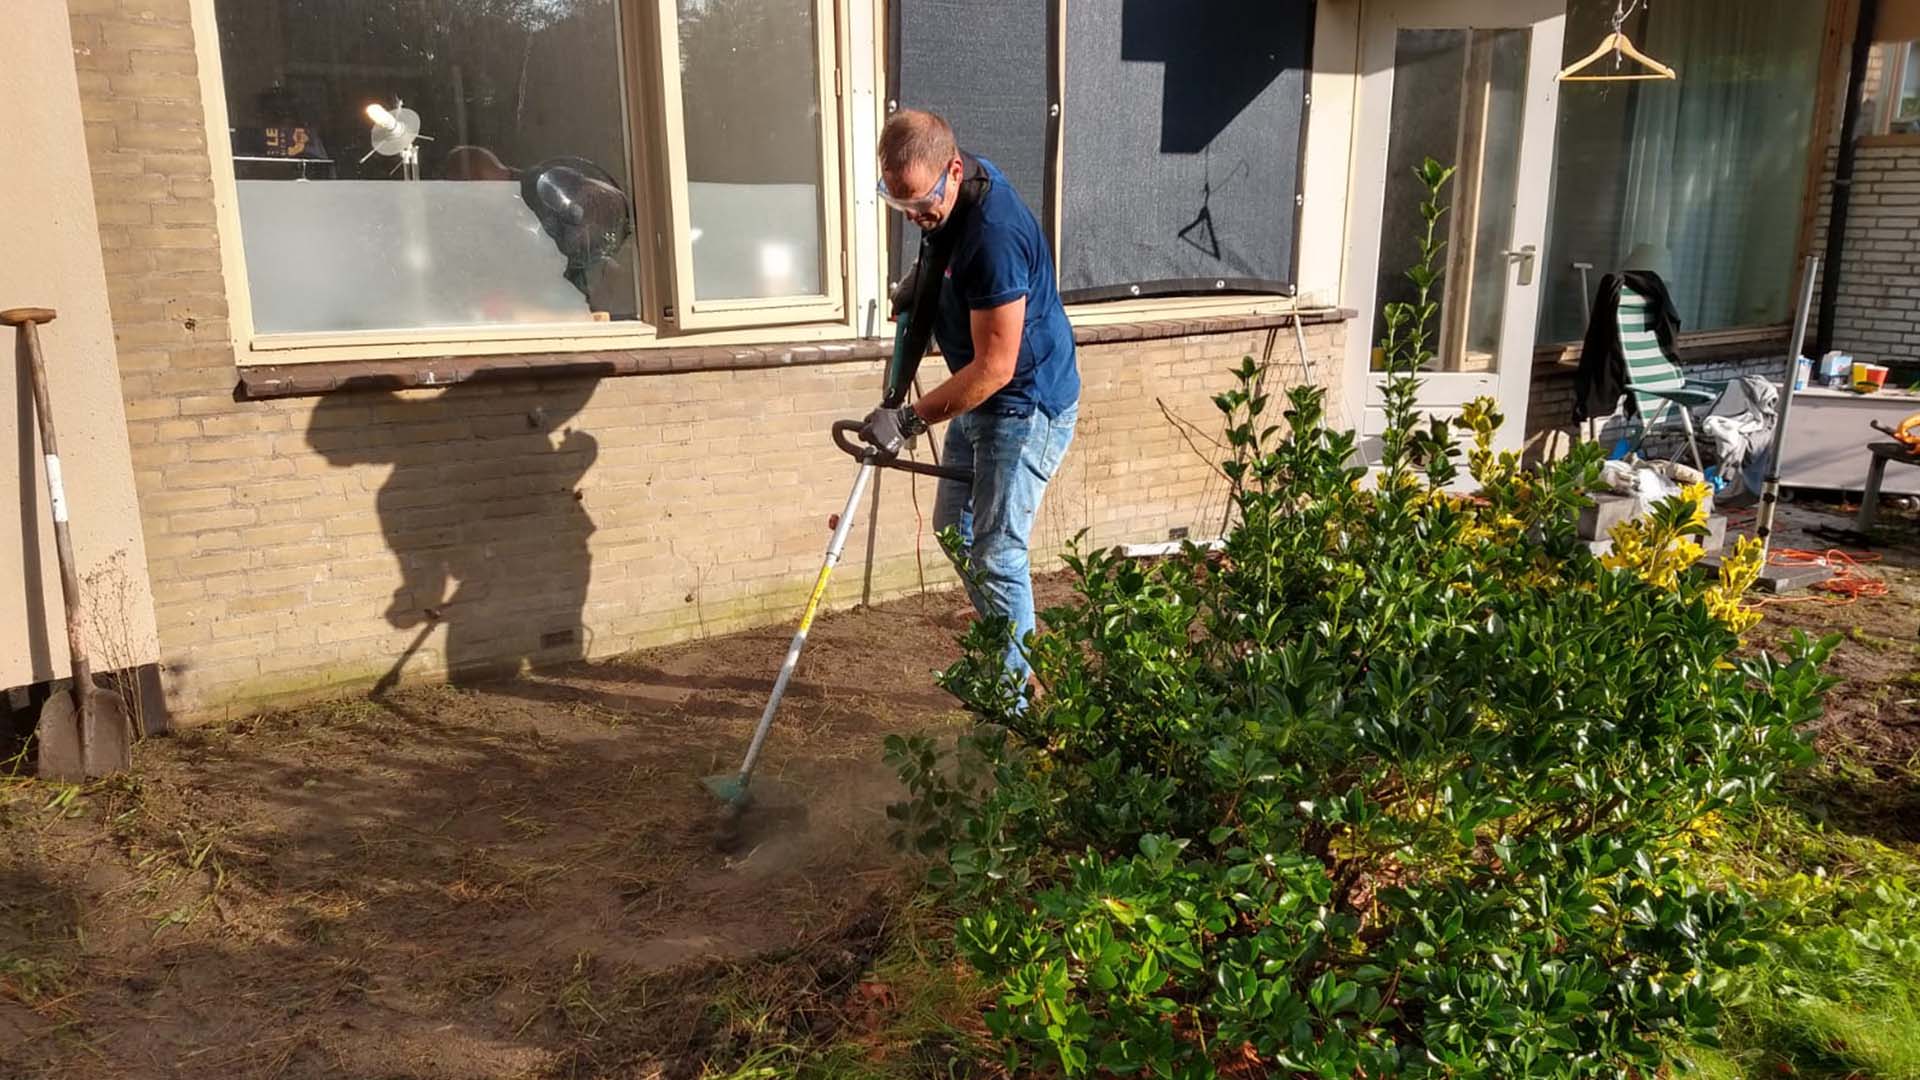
(1014, 394)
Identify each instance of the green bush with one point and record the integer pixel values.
(1396, 783)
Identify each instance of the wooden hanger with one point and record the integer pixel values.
(1619, 45)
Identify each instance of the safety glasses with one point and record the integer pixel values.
(918, 204)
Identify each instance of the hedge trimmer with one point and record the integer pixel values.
(1907, 434)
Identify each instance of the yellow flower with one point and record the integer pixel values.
(1657, 547)
(1738, 572)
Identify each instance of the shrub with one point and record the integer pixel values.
(1398, 782)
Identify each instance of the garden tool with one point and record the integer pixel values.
(1906, 434)
(1772, 577)
(912, 333)
(85, 732)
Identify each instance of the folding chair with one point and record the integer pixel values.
(1661, 394)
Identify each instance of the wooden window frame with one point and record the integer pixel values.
(656, 164)
(688, 311)
(1694, 346)
(853, 108)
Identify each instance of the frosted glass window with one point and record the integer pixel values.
(340, 238)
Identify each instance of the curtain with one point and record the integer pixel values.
(1716, 160)
(1707, 171)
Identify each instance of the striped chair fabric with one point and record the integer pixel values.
(1648, 369)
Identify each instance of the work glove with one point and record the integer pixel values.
(887, 430)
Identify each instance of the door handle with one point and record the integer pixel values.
(1525, 257)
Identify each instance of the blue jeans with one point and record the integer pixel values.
(1012, 458)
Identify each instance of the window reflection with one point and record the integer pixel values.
(508, 199)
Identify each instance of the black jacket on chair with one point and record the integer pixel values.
(1602, 376)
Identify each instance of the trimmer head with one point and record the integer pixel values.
(727, 787)
(732, 793)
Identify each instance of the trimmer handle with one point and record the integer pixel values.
(866, 452)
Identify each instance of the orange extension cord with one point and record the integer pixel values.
(1846, 585)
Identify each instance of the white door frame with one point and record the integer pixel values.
(1509, 383)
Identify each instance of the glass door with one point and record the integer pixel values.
(1470, 85)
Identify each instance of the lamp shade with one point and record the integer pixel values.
(1650, 257)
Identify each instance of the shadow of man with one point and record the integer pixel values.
(481, 499)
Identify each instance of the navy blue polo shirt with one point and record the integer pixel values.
(1000, 256)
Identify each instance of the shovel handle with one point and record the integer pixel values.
(24, 316)
(871, 455)
(27, 322)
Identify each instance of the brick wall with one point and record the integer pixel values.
(1877, 314)
(1550, 429)
(305, 545)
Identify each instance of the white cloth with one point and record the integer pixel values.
(1647, 481)
(1741, 425)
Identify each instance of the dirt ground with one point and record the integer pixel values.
(1870, 733)
(512, 882)
(517, 882)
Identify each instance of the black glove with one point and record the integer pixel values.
(887, 430)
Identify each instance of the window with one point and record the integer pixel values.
(1891, 95)
(1159, 145)
(407, 165)
(1458, 98)
(1701, 178)
(743, 78)
(1180, 161)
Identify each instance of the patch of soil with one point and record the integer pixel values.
(1869, 734)
(514, 881)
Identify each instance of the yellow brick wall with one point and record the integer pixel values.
(297, 546)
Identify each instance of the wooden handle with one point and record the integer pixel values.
(28, 320)
(23, 316)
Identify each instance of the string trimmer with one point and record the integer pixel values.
(911, 336)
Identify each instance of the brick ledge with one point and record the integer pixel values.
(265, 382)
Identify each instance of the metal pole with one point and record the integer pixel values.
(1770, 490)
(873, 529)
(1843, 172)
(834, 547)
(1586, 312)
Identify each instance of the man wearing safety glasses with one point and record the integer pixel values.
(1014, 393)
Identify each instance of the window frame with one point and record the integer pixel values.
(854, 63)
(1901, 61)
(663, 252)
(687, 311)
(1830, 90)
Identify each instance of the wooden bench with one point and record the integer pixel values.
(1882, 452)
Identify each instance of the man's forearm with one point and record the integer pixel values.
(996, 339)
(966, 389)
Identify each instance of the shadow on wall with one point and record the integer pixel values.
(1215, 65)
(484, 514)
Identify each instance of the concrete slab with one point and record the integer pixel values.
(1780, 579)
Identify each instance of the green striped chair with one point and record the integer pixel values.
(1663, 396)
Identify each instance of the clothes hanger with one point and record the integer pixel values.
(1620, 46)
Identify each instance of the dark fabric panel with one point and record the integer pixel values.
(982, 64)
(1183, 145)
